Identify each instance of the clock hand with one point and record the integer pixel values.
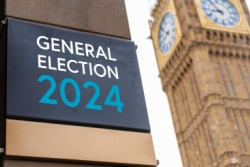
(213, 4)
(164, 38)
(167, 32)
(220, 11)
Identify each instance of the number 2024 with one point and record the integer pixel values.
(46, 99)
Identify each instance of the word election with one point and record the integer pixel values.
(71, 65)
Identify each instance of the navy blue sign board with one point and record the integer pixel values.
(70, 77)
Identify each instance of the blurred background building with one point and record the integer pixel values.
(203, 48)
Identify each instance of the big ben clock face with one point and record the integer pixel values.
(222, 15)
(167, 31)
(221, 12)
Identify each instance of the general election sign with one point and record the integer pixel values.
(71, 77)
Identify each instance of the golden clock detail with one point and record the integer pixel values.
(167, 34)
(225, 15)
(206, 78)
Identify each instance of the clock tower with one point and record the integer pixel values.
(203, 53)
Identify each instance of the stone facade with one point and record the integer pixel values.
(207, 81)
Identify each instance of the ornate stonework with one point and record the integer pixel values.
(207, 81)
